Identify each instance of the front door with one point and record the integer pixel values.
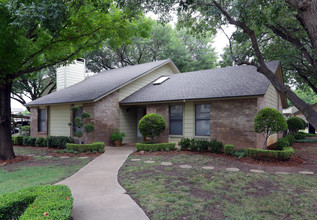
(140, 113)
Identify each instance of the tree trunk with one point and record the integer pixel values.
(6, 147)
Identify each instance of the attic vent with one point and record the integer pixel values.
(160, 80)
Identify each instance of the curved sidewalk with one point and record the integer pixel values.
(97, 193)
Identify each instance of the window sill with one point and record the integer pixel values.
(175, 136)
(202, 137)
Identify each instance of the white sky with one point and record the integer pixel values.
(220, 42)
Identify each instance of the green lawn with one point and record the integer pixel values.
(38, 170)
(174, 193)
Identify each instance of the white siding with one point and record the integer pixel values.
(143, 81)
(271, 97)
(128, 124)
(59, 117)
(69, 75)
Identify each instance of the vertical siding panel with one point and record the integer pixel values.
(59, 117)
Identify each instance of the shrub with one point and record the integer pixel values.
(295, 124)
(58, 141)
(184, 143)
(306, 141)
(290, 138)
(282, 143)
(25, 130)
(240, 153)
(40, 142)
(25, 140)
(117, 135)
(80, 123)
(202, 144)
(17, 140)
(31, 141)
(284, 154)
(96, 146)
(215, 146)
(152, 125)
(156, 147)
(32, 202)
(269, 121)
(228, 149)
(299, 136)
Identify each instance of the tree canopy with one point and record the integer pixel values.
(39, 34)
(259, 24)
(188, 52)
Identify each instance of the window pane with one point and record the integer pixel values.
(42, 114)
(42, 126)
(176, 119)
(203, 111)
(176, 127)
(203, 127)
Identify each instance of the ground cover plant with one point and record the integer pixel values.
(38, 170)
(170, 192)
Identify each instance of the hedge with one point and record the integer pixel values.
(306, 141)
(37, 202)
(96, 146)
(282, 143)
(17, 140)
(228, 149)
(155, 147)
(284, 154)
(58, 141)
(192, 144)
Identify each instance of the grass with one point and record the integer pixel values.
(37, 171)
(175, 193)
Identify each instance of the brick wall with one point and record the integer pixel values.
(163, 110)
(231, 121)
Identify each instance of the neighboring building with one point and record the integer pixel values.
(298, 114)
(217, 103)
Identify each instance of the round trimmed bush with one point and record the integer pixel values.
(152, 125)
(295, 124)
(269, 121)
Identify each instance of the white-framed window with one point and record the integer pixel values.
(176, 120)
(42, 120)
(202, 120)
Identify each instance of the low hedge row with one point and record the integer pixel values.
(94, 147)
(228, 149)
(37, 202)
(58, 142)
(192, 144)
(155, 147)
(284, 154)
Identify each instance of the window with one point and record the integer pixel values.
(77, 114)
(202, 120)
(176, 119)
(42, 120)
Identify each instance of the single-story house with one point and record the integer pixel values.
(216, 103)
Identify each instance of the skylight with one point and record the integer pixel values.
(160, 80)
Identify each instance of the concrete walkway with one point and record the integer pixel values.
(97, 193)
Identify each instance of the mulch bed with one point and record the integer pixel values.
(17, 159)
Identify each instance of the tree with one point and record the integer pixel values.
(295, 124)
(306, 95)
(269, 121)
(35, 35)
(291, 21)
(34, 86)
(152, 125)
(189, 53)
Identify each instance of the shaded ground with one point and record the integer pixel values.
(40, 168)
(169, 192)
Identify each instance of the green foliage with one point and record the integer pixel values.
(152, 125)
(284, 154)
(306, 141)
(184, 143)
(228, 149)
(155, 147)
(290, 138)
(17, 140)
(215, 146)
(116, 135)
(301, 135)
(85, 115)
(295, 124)
(75, 109)
(25, 140)
(58, 141)
(31, 141)
(88, 128)
(25, 130)
(240, 153)
(96, 146)
(282, 143)
(269, 121)
(305, 94)
(40, 142)
(33, 202)
(188, 52)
